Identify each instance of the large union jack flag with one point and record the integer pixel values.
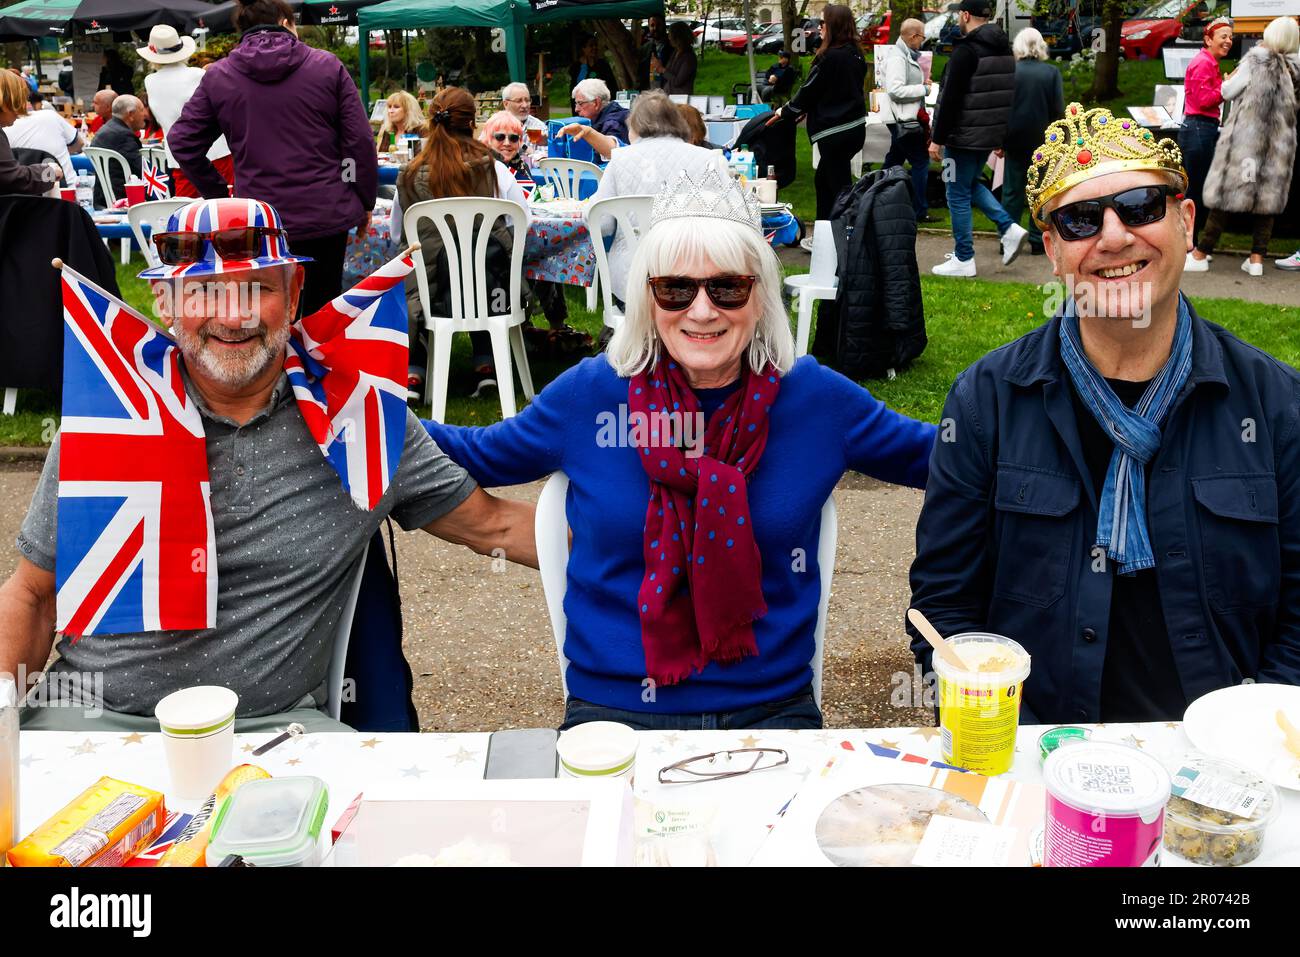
(356, 413)
(135, 548)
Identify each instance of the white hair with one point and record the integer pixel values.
(512, 91)
(1029, 45)
(124, 104)
(731, 247)
(592, 88)
(1282, 36)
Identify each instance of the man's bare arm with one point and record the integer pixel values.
(26, 619)
(486, 523)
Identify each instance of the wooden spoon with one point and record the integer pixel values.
(941, 647)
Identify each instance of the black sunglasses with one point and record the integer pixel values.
(506, 137)
(1139, 206)
(675, 293)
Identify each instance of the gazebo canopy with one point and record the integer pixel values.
(512, 16)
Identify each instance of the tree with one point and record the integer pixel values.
(1105, 78)
(624, 56)
(902, 10)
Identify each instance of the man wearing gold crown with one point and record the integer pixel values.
(1118, 489)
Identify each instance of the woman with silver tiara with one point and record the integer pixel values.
(700, 454)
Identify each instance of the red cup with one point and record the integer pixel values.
(134, 193)
(69, 193)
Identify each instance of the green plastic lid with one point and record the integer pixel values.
(1052, 739)
(275, 822)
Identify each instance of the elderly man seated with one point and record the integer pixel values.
(608, 129)
(288, 537)
(516, 98)
(121, 134)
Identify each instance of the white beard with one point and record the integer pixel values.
(231, 370)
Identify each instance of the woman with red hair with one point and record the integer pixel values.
(1202, 102)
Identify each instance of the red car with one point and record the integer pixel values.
(1159, 25)
(738, 44)
(873, 29)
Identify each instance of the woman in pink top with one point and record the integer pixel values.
(1203, 96)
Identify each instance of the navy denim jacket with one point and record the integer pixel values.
(1005, 542)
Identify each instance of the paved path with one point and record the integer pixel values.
(480, 644)
(1225, 280)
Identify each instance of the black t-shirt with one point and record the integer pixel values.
(1139, 681)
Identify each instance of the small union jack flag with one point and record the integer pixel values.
(157, 183)
(135, 547)
(356, 412)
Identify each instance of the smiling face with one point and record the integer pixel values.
(709, 343)
(1220, 42)
(1123, 272)
(232, 329)
(501, 143)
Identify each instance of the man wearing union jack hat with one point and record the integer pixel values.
(294, 480)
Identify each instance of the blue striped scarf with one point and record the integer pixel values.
(1122, 511)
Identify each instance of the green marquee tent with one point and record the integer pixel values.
(512, 16)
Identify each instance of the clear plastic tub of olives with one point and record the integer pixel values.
(1218, 812)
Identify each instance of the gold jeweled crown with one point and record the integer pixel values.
(713, 196)
(1091, 143)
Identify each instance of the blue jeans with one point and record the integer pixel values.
(797, 713)
(1197, 140)
(911, 148)
(964, 184)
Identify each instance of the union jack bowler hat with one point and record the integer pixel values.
(211, 215)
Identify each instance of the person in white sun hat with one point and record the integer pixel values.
(169, 87)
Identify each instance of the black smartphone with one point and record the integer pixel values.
(522, 753)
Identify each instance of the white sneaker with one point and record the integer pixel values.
(806, 243)
(952, 266)
(1252, 268)
(1013, 240)
(1291, 263)
(1196, 265)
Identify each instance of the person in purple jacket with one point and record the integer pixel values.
(699, 453)
(298, 134)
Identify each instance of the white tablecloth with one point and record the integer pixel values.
(58, 765)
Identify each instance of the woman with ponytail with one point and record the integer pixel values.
(454, 163)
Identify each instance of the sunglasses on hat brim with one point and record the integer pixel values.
(675, 293)
(1136, 206)
(237, 243)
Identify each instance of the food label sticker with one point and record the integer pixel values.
(1217, 793)
(949, 842)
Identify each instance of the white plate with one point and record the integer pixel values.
(1239, 724)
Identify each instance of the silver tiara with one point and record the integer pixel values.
(713, 196)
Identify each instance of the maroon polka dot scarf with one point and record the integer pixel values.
(699, 540)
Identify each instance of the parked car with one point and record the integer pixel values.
(739, 44)
(716, 31)
(873, 28)
(812, 33)
(1161, 24)
(935, 21)
(1068, 26)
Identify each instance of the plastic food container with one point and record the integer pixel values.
(271, 823)
(597, 749)
(1055, 738)
(1218, 812)
(1105, 806)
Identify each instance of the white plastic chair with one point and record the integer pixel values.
(465, 225)
(102, 159)
(820, 282)
(627, 212)
(339, 654)
(551, 530)
(154, 214)
(566, 175)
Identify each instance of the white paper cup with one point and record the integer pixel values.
(597, 749)
(198, 726)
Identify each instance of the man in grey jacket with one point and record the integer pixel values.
(907, 87)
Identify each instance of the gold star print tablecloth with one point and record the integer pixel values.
(56, 766)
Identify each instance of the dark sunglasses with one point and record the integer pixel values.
(1139, 206)
(676, 293)
(506, 137)
(240, 242)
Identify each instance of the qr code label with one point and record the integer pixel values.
(1105, 778)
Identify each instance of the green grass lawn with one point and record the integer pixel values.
(965, 319)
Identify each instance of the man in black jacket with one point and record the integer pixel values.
(119, 135)
(975, 95)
